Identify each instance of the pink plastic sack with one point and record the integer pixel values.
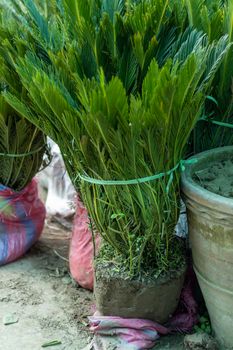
(22, 216)
(124, 333)
(186, 315)
(81, 249)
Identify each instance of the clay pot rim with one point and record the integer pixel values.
(196, 192)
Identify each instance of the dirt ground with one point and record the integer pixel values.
(38, 292)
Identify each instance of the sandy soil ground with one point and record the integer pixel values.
(38, 292)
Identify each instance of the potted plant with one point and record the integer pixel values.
(121, 95)
(209, 202)
(207, 188)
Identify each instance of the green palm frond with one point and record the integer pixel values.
(113, 7)
(194, 8)
(127, 70)
(40, 21)
(187, 43)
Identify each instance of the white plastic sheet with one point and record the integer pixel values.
(60, 191)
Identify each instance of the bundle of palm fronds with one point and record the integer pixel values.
(76, 38)
(215, 18)
(120, 36)
(21, 148)
(22, 145)
(120, 90)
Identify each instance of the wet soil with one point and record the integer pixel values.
(217, 177)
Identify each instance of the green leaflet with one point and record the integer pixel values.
(51, 343)
(10, 319)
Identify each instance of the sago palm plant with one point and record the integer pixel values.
(120, 92)
(215, 18)
(22, 145)
(21, 148)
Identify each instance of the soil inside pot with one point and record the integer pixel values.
(217, 177)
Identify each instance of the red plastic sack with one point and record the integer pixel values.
(22, 216)
(81, 249)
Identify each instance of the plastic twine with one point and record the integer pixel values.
(21, 155)
(213, 121)
(225, 125)
(141, 180)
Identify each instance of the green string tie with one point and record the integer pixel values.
(141, 180)
(225, 125)
(21, 155)
(207, 118)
